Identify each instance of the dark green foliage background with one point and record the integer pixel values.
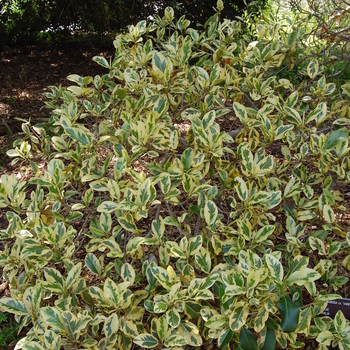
(30, 21)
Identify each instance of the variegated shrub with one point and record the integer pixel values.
(192, 195)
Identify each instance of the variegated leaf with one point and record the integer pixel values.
(128, 273)
(146, 341)
(238, 318)
(274, 266)
(210, 213)
(13, 306)
(203, 259)
(225, 337)
(216, 321)
(93, 264)
(110, 291)
(111, 325)
(264, 233)
(53, 318)
(107, 207)
(340, 322)
(303, 276)
(162, 327)
(195, 244)
(73, 275)
(173, 318)
(129, 328)
(325, 338)
(312, 68)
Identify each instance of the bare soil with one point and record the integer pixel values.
(26, 73)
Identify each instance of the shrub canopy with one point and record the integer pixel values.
(196, 193)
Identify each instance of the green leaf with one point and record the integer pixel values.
(290, 314)
(146, 340)
(93, 264)
(247, 340)
(292, 37)
(270, 340)
(122, 93)
(13, 306)
(192, 309)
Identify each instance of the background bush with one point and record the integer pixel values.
(29, 21)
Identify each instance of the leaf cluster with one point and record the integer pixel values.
(191, 195)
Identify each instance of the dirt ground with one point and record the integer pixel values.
(26, 73)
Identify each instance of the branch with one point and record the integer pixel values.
(340, 72)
